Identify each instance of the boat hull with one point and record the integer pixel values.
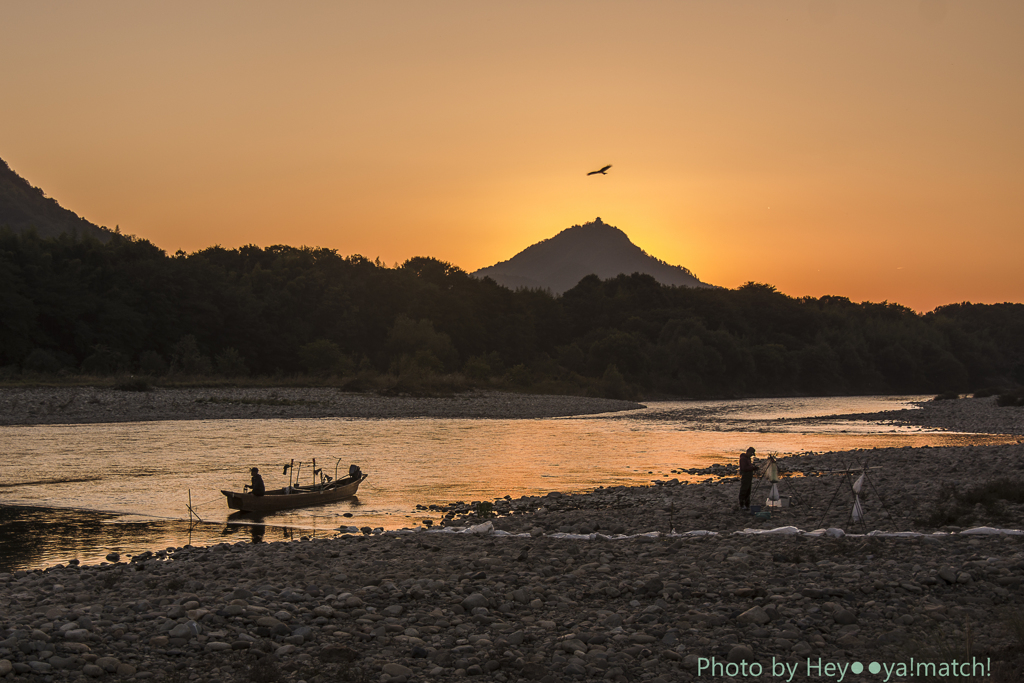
(295, 497)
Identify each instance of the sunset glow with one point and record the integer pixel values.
(872, 150)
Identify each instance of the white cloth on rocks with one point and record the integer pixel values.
(487, 529)
(991, 531)
(858, 511)
(782, 530)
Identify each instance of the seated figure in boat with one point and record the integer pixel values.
(258, 488)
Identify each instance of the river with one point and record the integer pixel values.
(82, 491)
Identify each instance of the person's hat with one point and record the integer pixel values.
(255, 469)
(750, 450)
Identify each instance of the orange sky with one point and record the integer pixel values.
(870, 149)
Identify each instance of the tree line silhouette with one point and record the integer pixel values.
(73, 306)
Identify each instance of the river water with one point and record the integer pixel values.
(81, 491)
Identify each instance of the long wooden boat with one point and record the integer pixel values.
(295, 496)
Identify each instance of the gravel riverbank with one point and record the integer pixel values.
(979, 415)
(604, 586)
(80, 405)
(453, 607)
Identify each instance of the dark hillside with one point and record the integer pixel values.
(72, 306)
(24, 207)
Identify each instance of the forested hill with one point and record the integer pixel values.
(24, 207)
(558, 263)
(72, 306)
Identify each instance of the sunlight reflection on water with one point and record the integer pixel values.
(137, 477)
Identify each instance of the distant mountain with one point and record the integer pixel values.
(559, 263)
(23, 207)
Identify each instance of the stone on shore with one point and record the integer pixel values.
(754, 615)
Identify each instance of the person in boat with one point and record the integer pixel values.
(258, 488)
(746, 477)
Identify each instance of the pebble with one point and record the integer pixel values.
(394, 669)
(418, 607)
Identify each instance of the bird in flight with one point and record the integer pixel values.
(602, 171)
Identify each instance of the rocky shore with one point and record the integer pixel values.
(448, 607)
(662, 583)
(904, 490)
(978, 415)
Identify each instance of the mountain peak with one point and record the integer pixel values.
(595, 248)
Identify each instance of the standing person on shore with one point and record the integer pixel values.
(258, 489)
(746, 477)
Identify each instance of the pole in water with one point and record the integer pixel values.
(191, 510)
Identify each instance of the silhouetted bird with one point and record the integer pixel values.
(602, 171)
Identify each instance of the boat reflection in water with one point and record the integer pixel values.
(245, 523)
(254, 524)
